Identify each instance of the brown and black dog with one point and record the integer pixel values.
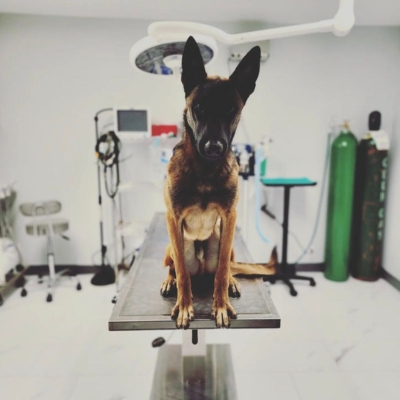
(201, 190)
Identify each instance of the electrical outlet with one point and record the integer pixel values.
(238, 51)
(238, 56)
(311, 253)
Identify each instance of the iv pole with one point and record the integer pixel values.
(106, 275)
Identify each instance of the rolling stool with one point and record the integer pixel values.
(44, 225)
(285, 271)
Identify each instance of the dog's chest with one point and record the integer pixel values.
(199, 222)
(192, 192)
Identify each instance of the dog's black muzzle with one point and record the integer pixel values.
(212, 145)
(214, 149)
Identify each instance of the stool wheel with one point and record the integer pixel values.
(49, 298)
(1, 300)
(114, 300)
(79, 286)
(19, 267)
(24, 292)
(20, 282)
(293, 292)
(312, 282)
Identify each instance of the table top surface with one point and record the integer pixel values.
(140, 305)
(288, 182)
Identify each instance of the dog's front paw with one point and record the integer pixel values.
(234, 287)
(182, 313)
(222, 313)
(168, 287)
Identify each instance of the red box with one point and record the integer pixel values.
(157, 130)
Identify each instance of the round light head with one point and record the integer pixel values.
(163, 57)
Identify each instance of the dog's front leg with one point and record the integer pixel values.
(222, 311)
(183, 310)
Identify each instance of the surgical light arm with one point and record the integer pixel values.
(340, 25)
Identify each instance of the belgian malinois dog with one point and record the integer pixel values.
(201, 190)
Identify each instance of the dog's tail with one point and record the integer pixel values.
(238, 268)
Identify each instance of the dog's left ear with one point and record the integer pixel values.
(193, 71)
(246, 73)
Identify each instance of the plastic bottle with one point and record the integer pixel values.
(3, 264)
(264, 160)
(340, 205)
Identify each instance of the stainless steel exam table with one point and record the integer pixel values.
(188, 371)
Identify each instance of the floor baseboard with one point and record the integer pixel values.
(92, 269)
(319, 267)
(391, 279)
(75, 269)
(311, 267)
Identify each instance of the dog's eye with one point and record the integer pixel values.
(199, 108)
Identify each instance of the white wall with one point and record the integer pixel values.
(391, 240)
(306, 81)
(57, 72)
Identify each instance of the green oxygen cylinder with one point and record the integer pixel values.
(340, 205)
(369, 198)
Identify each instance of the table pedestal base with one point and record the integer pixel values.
(206, 377)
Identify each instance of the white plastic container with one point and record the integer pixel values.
(8, 258)
(3, 262)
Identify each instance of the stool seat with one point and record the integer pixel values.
(40, 226)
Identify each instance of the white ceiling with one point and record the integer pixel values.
(368, 12)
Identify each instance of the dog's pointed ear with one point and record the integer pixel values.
(193, 71)
(246, 73)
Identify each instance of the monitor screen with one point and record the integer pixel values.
(132, 120)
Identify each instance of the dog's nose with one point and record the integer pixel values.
(213, 148)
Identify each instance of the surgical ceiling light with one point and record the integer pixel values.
(160, 53)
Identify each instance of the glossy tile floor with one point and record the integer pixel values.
(338, 341)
